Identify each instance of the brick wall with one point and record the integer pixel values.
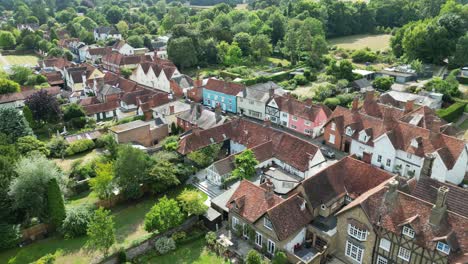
(142, 135)
(326, 137)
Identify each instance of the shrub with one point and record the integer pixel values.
(332, 102)
(383, 83)
(164, 245)
(300, 80)
(30, 143)
(171, 143)
(47, 259)
(280, 258)
(178, 236)
(210, 238)
(122, 256)
(57, 146)
(79, 146)
(56, 206)
(363, 55)
(10, 235)
(253, 257)
(453, 112)
(76, 222)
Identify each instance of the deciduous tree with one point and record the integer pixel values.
(101, 231)
(163, 216)
(245, 165)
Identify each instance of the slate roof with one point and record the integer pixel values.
(348, 176)
(261, 91)
(202, 117)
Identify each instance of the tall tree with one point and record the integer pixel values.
(101, 231)
(182, 52)
(162, 176)
(163, 216)
(102, 184)
(44, 107)
(55, 203)
(245, 165)
(277, 22)
(7, 40)
(130, 170)
(192, 202)
(13, 124)
(261, 47)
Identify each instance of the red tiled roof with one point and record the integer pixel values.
(56, 62)
(25, 93)
(99, 51)
(290, 149)
(347, 176)
(306, 110)
(224, 87)
(251, 201)
(392, 216)
(101, 107)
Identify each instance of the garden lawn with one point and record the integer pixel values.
(23, 60)
(129, 224)
(190, 253)
(374, 42)
(66, 163)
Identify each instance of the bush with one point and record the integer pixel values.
(121, 256)
(210, 238)
(179, 236)
(10, 235)
(453, 112)
(363, 55)
(57, 146)
(171, 143)
(164, 245)
(79, 146)
(47, 259)
(280, 258)
(332, 102)
(383, 83)
(76, 222)
(300, 80)
(80, 171)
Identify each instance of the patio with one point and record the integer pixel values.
(305, 254)
(239, 246)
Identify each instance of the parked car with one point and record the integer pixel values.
(327, 152)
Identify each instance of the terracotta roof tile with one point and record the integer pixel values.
(223, 87)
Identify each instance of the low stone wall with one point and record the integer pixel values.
(148, 245)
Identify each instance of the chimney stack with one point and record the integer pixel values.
(271, 92)
(409, 106)
(355, 103)
(439, 210)
(367, 157)
(244, 92)
(195, 130)
(435, 126)
(369, 96)
(171, 109)
(218, 113)
(199, 109)
(388, 119)
(392, 193)
(269, 189)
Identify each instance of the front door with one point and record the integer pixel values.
(347, 146)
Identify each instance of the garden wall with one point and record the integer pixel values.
(148, 245)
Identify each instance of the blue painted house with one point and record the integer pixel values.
(219, 92)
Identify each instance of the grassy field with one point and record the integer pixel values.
(24, 60)
(374, 42)
(191, 253)
(129, 224)
(66, 163)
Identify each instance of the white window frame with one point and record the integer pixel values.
(258, 239)
(388, 163)
(235, 222)
(271, 247)
(307, 131)
(293, 127)
(404, 254)
(349, 131)
(379, 158)
(443, 247)
(331, 139)
(294, 118)
(354, 252)
(244, 230)
(265, 223)
(385, 244)
(348, 199)
(408, 231)
(333, 126)
(357, 233)
(307, 123)
(381, 260)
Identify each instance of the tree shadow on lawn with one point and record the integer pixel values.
(33, 252)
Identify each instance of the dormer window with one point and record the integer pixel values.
(442, 247)
(363, 137)
(333, 126)
(408, 231)
(303, 205)
(349, 131)
(414, 143)
(267, 223)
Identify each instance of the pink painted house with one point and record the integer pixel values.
(302, 116)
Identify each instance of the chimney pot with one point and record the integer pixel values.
(269, 189)
(436, 123)
(369, 96)
(196, 130)
(355, 103)
(392, 193)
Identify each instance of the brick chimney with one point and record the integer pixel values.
(391, 196)
(355, 105)
(426, 169)
(199, 109)
(244, 92)
(439, 210)
(367, 157)
(218, 113)
(195, 130)
(148, 115)
(388, 120)
(369, 96)
(270, 187)
(435, 126)
(409, 106)
(171, 109)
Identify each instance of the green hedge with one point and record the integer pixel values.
(453, 112)
(262, 79)
(231, 75)
(79, 146)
